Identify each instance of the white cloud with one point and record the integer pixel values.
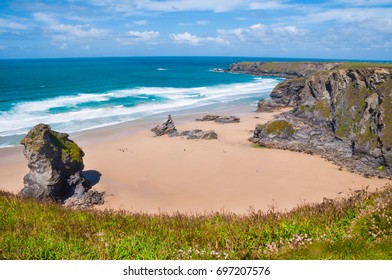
(135, 37)
(190, 5)
(140, 22)
(199, 22)
(67, 32)
(45, 18)
(193, 40)
(290, 30)
(202, 22)
(268, 5)
(12, 24)
(370, 19)
(218, 6)
(364, 2)
(261, 33)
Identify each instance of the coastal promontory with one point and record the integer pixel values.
(341, 111)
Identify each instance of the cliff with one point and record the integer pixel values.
(282, 69)
(356, 104)
(344, 114)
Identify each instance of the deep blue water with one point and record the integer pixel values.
(83, 93)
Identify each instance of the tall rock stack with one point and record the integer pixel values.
(56, 165)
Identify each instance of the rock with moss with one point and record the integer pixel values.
(56, 165)
(353, 105)
(276, 129)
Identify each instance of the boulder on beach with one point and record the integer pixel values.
(199, 134)
(56, 165)
(167, 127)
(219, 119)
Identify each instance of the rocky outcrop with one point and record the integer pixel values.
(56, 165)
(167, 127)
(199, 134)
(344, 115)
(284, 94)
(282, 69)
(219, 119)
(274, 130)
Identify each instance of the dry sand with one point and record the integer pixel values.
(141, 172)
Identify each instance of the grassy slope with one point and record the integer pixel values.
(358, 227)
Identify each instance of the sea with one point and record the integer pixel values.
(78, 94)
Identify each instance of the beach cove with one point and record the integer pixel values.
(143, 173)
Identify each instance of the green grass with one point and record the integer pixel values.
(358, 65)
(355, 227)
(323, 107)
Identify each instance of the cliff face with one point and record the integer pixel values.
(284, 94)
(344, 115)
(355, 104)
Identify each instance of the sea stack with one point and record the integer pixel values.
(55, 163)
(167, 127)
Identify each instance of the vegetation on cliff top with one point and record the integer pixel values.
(358, 65)
(300, 81)
(355, 227)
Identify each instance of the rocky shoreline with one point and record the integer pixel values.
(340, 113)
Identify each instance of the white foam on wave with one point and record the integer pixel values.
(63, 101)
(27, 114)
(162, 69)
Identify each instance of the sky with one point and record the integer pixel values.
(335, 29)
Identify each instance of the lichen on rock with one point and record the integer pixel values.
(276, 129)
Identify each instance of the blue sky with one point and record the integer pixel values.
(342, 29)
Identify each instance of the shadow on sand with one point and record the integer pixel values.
(93, 176)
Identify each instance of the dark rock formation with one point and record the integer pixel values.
(219, 119)
(344, 115)
(208, 118)
(167, 127)
(199, 134)
(56, 165)
(89, 199)
(284, 94)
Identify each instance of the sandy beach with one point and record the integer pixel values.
(140, 172)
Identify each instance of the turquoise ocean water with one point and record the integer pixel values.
(85, 93)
